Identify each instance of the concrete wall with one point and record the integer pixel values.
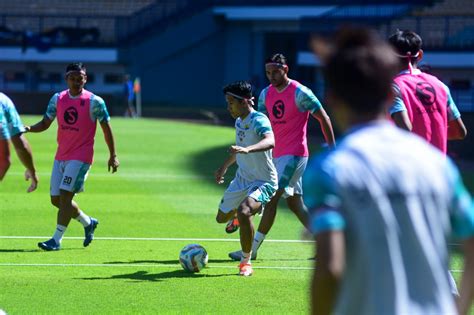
(191, 62)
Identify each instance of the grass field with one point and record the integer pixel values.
(162, 198)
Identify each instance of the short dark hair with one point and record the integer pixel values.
(406, 43)
(360, 70)
(76, 66)
(242, 89)
(277, 58)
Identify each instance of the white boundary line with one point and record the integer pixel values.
(143, 265)
(156, 239)
(135, 176)
(154, 266)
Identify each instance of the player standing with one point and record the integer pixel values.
(288, 104)
(256, 179)
(77, 111)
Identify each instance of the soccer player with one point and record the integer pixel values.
(77, 111)
(256, 179)
(12, 129)
(382, 213)
(423, 104)
(288, 105)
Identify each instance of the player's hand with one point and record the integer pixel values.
(34, 180)
(27, 128)
(113, 163)
(234, 149)
(219, 175)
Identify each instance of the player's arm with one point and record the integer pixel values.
(402, 120)
(23, 150)
(326, 126)
(40, 126)
(461, 210)
(267, 143)
(456, 129)
(113, 162)
(4, 157)
(398, 110)
(467, 278)
(328, 271)
(220, 172)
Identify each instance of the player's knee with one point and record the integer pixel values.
(55, 201)
(244, 212)
(221, 217)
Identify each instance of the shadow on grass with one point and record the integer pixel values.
(206, 162)
(161, 262)
(157, 277)
(20, 250)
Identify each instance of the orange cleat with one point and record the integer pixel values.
(232, 226)
(245, 270)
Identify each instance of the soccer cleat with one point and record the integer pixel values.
(232, 226)
(49, 245)
(237, 255)
(89, 232)
(245, 270)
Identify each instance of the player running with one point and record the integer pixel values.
(256, 179)
(288, 104)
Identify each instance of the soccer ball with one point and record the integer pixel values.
(193, 258)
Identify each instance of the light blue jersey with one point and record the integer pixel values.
(98, 110)
(398, 200)
(255, 166)
(10, 122)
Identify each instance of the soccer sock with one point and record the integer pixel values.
(257, 241)
(246, 258)
(83, 218)
(58, 234)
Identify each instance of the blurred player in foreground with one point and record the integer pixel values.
(381, 214)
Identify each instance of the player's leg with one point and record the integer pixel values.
(76, 173)
(297, 206)
(223, 217)
(56, 177)
(294, 197)
(245, 213)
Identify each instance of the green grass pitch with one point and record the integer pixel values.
(162, 198)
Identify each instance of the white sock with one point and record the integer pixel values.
(83, 218)
(58, 234)
(246, 258)
(257, 241)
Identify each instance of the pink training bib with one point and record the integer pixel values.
(426, 101)
(288, 122)
(76, 129)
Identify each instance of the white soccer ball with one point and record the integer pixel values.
(193, 258)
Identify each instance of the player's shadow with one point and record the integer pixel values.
(161, 262)
(206, 162)
(19, 250)
(143, 275)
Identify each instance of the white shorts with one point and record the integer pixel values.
(290, 171)
(69, 176)
(239, 189)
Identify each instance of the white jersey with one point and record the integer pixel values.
(397, 199)
(255, 166)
